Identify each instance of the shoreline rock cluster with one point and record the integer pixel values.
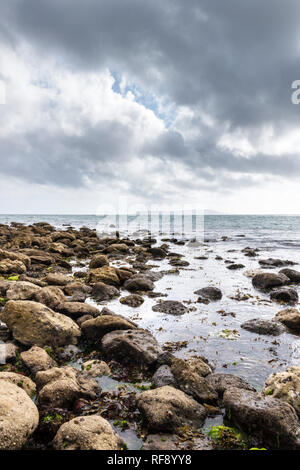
(59, 350)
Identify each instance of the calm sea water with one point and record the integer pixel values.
(259, 229)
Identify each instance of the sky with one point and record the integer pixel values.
(142, 103)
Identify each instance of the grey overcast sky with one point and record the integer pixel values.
(149, 101)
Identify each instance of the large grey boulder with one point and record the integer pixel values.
(135, 346)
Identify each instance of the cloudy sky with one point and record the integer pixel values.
(149, 101)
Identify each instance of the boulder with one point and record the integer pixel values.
(221, 382)
(209, 293)
(22, 290)
(60, 249)
(235, 266)
(132, 346)
(58, 279)
(96, 328)
(269, 280)
(275, 262)
(37, 359)
(60, 387)
(21, 381)
(87, 433)
(139, 282)
(263, 327)
(78, 309)
(10, 255)
(78, 290)
(157, 253)
(289, 317)
(190, 382)
(50, 296)
(133, 300)
(285, 294)
(62, 236)
(12, 267)
(199, 366)
(41, 259)
(19, 416)
(32, 323)
(163, 376)
(166, 409)
(106, 274)
(117, 248)
(171, 307)
(285, 386)
(267, 421)
(103, 292)
(98, 261)
(292, 274)
(95, 368)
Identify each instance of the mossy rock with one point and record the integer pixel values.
(227, 438)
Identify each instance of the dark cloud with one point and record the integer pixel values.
(233, 60)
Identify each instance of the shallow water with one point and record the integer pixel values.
(248, 355)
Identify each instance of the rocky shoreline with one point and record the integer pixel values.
(80, 376)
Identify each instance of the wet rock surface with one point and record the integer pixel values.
(221, 382)
(269, 280)
(209, 293)
(285, 294)
(136, 346)
(263, 327)
(171, 307)
(166, 408)
(267, 421)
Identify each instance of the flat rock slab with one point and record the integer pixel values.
(171, 307)
(210, 293)
(285, 294)
(263, 327)
(275, 262)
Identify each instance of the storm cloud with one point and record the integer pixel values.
(156, 100)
